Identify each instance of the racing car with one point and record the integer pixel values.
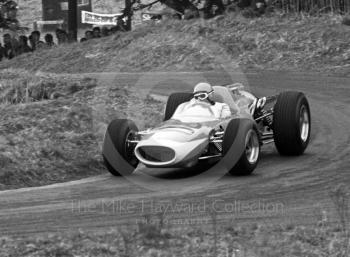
(282, 119)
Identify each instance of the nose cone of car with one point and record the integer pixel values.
(171, 147)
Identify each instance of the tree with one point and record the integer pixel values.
(185, 8)
(8, 15)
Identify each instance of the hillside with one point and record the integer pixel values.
(294, 42)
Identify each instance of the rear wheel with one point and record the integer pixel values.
(291, 123)
(250, 145)
(118, 151)
(174, 101)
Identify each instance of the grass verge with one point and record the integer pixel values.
(151, 240)
(49, 129)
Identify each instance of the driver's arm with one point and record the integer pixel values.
(225, 111)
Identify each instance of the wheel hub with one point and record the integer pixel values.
(304, 124)
(252, 147)
(129, 149)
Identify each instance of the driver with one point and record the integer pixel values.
(202, 104)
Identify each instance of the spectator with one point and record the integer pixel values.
(9, 52)
(62, 36)
(23, 46)
(121, 25)
(96, 32)
(104, 32)
(244, 3)
(2, 52)
(89, 35)
(212, 8)
(257, 7)
(114, 29)
(31, 42)
(260, 6)
(58, 35)
(71, 37)
(49, 40)
(36, 42)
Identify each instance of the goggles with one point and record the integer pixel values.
(202, 95)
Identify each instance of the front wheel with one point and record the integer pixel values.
(250, 150)
(118, 149)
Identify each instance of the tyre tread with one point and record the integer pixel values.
(285, 123)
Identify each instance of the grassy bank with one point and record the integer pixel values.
(152, 240)
(291, 42)
(49, 131)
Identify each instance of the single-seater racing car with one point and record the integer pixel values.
(183, 142)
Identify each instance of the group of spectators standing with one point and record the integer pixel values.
(97, 32)
(13, 46)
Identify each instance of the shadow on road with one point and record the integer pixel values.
(177, 173)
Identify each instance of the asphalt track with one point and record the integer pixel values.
(282, 189)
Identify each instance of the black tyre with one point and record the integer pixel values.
(118, 153)
(291, 123)
(174, 101)
(249, 145)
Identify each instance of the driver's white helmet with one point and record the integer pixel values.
(202, 91)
